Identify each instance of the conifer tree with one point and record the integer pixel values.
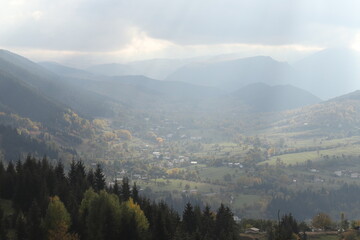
(135, 193)
(116, 189)
(20, 227)
(188, 219)
(34, 230)
(99, 183)
(125, 192)
(3, 232)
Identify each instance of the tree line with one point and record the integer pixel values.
(48, 203)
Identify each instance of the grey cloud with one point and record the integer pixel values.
(102, 25)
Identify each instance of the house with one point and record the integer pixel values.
(354, 175)
(252, 230)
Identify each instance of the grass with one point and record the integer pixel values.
(242, 200)
(302, 157)
(178, 185)
(322, 236)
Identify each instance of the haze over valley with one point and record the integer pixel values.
(156, 121)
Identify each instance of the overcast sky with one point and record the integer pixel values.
(96, 31)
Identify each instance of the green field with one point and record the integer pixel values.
(303, 157)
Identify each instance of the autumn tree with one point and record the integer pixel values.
(57, 221)
(322, 221)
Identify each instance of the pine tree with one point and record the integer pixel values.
(135, 193)
(20, 227)
(3, 233)
(188, 219)
(207, 223)
(99, 183)
(225, 226)
(9, 181)
(125, 192)
(91, 178)
(34, 229)
(116, 189)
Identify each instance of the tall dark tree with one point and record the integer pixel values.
(125, 192)
(135, 193)
(189, 219)
(225, 226)
(34, 229)
(99, 183)
(9, 181)
(116, 189)
(3, 232)
(90, 177)
(287, 227)
(207, 223)
(20, 227)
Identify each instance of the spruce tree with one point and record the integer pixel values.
(99, 183)
(34, 229)
(125, 192)
(189, 220)
(135, 193)
(20, 227)
(3, 232)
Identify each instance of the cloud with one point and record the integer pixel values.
(146, 27)
(37, 15)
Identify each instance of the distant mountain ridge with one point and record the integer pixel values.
(329, 73)
(58, 88)
(265, 98)
(234, 74)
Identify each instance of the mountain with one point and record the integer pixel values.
(18, 97)
(340, 114)
(329, 73)
(110, 69)
(264, 98)
(59, 88)
(142, 92)
(66, 71)
(153, 68)
(13, 145)
(234, 74)
(158, 68)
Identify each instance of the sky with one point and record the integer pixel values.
(85, 32)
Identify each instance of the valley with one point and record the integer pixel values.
(248, 148)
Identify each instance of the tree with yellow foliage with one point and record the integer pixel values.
(57, 221)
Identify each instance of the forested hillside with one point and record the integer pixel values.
(47, 203)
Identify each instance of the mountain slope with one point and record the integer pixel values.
(153, 68)
(234, 74)
(110, 69)
(13, 145)
(141, 92)
(66, 71)
(338, 115)
(329, 73)
(18, 97)
(264, 98)
(54, 86)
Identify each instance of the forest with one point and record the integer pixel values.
(43, 202)
(39, 199)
